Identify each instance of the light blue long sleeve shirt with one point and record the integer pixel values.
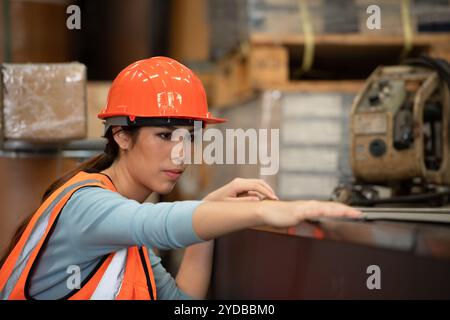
(95, 222)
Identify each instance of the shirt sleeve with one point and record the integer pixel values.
(166, 286)
(100, 221)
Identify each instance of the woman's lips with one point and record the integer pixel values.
(173, 174)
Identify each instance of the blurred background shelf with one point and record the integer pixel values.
(353, 39)
(274, 19)
(82, 145)
(268, 61)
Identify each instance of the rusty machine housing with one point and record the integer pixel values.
(400, 136)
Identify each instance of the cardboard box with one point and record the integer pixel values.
(43, 102)
(274, 18)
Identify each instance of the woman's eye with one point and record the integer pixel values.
(165, 135)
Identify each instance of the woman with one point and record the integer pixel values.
(92, 236)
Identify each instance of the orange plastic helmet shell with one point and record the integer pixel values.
(158, 87)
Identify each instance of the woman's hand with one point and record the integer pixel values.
(288, 214)
(243, 190)
(214, 219)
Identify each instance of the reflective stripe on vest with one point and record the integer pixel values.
(106, 280)
(109, 286)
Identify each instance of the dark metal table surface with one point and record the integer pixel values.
(335, 259)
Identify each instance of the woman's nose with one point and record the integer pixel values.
(178, 157)
(181, 152)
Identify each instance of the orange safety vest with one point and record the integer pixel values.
(122, 275)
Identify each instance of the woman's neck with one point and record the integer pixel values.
(125, 184)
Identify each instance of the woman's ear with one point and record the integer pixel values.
(122, 138)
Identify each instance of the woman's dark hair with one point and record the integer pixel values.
(93, 165)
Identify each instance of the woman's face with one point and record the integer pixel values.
(149, 160)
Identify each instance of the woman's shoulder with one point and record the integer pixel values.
(91, 198)
(93, 194)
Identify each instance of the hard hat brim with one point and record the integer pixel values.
(206, 120)
(157, 121)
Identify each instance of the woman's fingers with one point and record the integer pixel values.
(264, 184)
(316, 209)
(291, 213)
(342, 209)
(268, 188)
(245, 198)
(257, 194)
(255, 188)
(246, 185)
(252, 193)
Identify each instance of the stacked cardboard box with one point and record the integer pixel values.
(240, 18)
(234, 21)
(432, 16)
(43, 102)
(314, 152)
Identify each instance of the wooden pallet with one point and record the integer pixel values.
(267, 62)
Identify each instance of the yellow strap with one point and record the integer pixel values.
(407, 29)
(308, 51)
(244, 48)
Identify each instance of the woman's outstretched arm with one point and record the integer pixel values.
(212, 219)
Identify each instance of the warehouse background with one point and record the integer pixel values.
(288, 64)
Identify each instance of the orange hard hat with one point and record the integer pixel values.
(158, 90)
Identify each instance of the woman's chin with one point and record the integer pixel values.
(165, 188)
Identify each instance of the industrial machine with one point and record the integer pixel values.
(400, 136)
(399, 142)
